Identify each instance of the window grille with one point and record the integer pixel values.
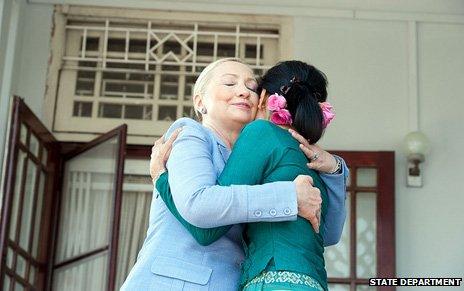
(142, 72)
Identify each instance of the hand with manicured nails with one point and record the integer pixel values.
(319, 159)
(160, 154)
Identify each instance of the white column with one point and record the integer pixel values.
(9, 19)
(413, 94)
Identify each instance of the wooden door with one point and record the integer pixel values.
(45, 213)
(367, 247)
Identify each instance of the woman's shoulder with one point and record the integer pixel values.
(185, 121)
(264, 135)
(259, 125)
(264, 129)
(190, 126)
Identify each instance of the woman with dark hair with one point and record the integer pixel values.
(279, 255)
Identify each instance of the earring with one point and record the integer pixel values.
(203, 110)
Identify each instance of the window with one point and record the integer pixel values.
(142, 71)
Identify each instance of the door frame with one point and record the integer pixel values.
(384, 162)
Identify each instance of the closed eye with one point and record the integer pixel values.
(252, 86)
(255, 90)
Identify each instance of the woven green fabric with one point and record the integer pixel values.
(283, 279)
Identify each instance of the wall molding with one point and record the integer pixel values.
(413, 91)
(291, 8)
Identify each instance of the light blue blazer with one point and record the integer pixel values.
(171, 259)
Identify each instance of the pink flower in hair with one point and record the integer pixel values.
(276, 102)
(327, 113)
(281, 117)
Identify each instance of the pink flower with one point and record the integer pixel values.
(281, 117)
(276, 102)
(327, 113)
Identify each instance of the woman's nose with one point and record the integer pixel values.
(243, 91)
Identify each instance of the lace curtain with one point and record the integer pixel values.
(84, 225)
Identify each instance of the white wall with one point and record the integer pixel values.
(34, 54)
(5, 7)
(10, 31)
(367, 63)
(441, 63)
(367, 78)
(367, 66)
(24, 49)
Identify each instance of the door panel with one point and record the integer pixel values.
(366, 248)
(28, 171)
(90, 204)
(31, 199)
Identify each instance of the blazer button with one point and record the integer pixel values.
(258, 213)
(273, 212)
(287, 211)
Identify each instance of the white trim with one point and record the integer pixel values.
(409, 16)
(85, 137)
(413, 95)
(7, 65)
(54, 68)
(288, 8)
(3, 165)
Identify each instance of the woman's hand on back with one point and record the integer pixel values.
(160, 154)
(320, 160)
(309, 200)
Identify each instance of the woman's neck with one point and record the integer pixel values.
(228, 134)
(287, 127)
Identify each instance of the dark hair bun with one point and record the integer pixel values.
(305, 86)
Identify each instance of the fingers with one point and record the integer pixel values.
(299, 137)
(305, 178)
(316, 197)
(173, 137)
(167, 147)
(314, 165)
(311, 181)
(159, 140)
(326, 163)
(160, 145)
(307, 151)
(318, 216)
(167, 154)
(315, 223)
(154, 149)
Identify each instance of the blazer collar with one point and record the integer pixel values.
(216, 137)
(223, 149)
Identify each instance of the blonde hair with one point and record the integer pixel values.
(205, 77)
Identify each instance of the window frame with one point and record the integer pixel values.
(283, 24)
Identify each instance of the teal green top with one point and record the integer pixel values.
(266, 153)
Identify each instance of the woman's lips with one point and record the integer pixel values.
(242, 105)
